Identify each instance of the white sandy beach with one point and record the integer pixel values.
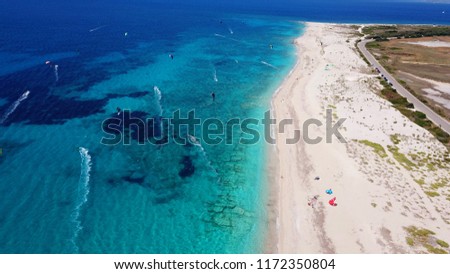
(377, 196)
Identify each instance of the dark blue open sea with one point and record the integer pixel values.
(62, 191)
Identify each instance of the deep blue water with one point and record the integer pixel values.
(64, 192)
(348, 11)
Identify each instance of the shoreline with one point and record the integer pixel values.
(373, 211)
(273, 168)
(271, 245)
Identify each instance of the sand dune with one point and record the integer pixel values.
(384, 177)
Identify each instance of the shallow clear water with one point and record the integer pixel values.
(60, 198)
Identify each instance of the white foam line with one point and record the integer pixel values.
(269, 65)
(158, 95)
(220, 35)
(56, 73)
(223, 36)
(13, 107)
(193, 140)
(97, 28)
(82, 192)
(215, 76)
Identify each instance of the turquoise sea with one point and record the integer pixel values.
(65, 192)
(66, 69)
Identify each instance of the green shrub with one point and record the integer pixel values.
(401, 158)
(410, 241)
(442, 243)
(420, 115)
(377, 148)
(432, 193)
(435, 250)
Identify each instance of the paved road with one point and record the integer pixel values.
(418, 105)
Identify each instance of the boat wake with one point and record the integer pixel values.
(215, 76)
(220, 35)
(56, 73)
(269, 65)
(97, 28)
(228, 38)
(13, 107)
(82, 193)
(194, 141)
(158, 96)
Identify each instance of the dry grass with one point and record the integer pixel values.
(405, 61)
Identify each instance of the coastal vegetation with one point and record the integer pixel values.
(420, 182)
(406, 108)
(395, 139)
(442, 243)
(401, 158)
(421, 237)
(383, 32)
(432, 194)
(377, 148)
(407, 52)
(415, 67)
